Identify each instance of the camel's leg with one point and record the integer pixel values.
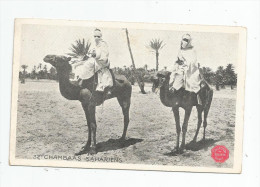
(199, 110)
(206, 110)
(185, 127)
(205, 123)
(125, 105)
(178, 126)
(89, 128)
(93, 126)
(86, 147)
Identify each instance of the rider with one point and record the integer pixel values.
(186, 69)
(98, 63)
(100, 53)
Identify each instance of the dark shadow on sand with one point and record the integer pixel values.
(202, 144)
(114, 144)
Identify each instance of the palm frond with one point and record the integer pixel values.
(80, 48)
(156, 44)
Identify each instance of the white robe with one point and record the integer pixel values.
(177, 76)
(104, 76)
(100, 64)
(187, 75)
(85, 69)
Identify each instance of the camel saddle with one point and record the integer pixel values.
(88, 83)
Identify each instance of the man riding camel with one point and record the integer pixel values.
(97, 61)
(186, 71)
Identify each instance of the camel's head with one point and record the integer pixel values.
(162, 78)
(59, 62)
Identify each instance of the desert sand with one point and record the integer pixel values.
(48, 124)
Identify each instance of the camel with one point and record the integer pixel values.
(86, 93)
(185, 100)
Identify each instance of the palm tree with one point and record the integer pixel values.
(53, 73)
(139, 81)
(230, 75)
(80, 48)
(45, 72)
(45, 68)
(219, 79)
(24, 67)
(156, 45)
(33, 72)
(207, 74)
(40, 66)
(22, 75)
(145, 67)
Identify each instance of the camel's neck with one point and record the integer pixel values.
(67, 89)
(164, 95)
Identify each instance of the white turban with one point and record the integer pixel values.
(186, 36)
(97, 32)
(189, 39)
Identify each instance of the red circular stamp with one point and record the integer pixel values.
(220, 153)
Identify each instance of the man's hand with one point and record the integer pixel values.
(93, 53)
(180, 61)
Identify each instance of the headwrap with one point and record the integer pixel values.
(97, 32)
(189, 39)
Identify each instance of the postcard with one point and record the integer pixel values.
(119, 95)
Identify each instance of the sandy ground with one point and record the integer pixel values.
(48, 124)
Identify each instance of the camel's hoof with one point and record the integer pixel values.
(193, 142)
(83, 150)
(176, 151)
(123, 138)
(92, 150)
(181, 150)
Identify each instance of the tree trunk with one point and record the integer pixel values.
(140, 84)
(217, 86)
(231, 86)
(157, 60)
(23, 77)
(142, 87)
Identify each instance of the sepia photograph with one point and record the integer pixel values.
(119, 95)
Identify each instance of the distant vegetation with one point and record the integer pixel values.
(220, 78)
(38, 72)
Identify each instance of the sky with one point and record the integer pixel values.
(213, 49)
